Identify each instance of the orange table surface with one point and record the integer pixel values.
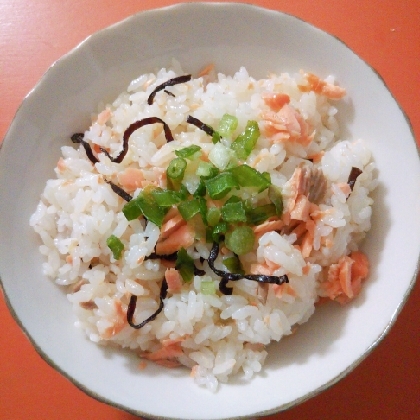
(33, 34)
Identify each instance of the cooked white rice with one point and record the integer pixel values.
(215, 335)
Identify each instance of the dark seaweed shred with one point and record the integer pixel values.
(106, 153)
(171, 82)
(260, 278)
(118, 190)
(354, 173)
(214, 252)
(135, 126)
(78, 138)
(133, 303)
(168, 257)
(226, 276)
(223, 286)
(199, 272)
(169, 93)
(199, 124)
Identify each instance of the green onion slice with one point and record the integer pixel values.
(227, 125)
(176, 169)
(258, 215)
(116, 246)
(201, 189)
(213, 216)
(246, 176)
(209, 235)
(188, 152)
(206, 170)
(233, 199)
(275, 196)
(215, 137)
(146, 205)
(185, 265)
(233, 264)
(190, 208)
(203, 208)
(150, 209)
(183, 192)
(240, 240)
(219, 186)
(207, 287)
(245, 142)
(234, 212)
(132, 210)
(267, 176)
(218, 230)
(166, 198)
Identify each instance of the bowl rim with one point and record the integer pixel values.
(146, 14)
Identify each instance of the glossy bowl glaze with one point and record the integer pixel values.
(337, 338)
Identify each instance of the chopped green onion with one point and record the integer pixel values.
(227, 125)
(213, 216)
(188, 152)
(116, 246)
(216, 137)
(209, 235)
(150, 208)
(220, 185)
(213, 172)
(233, 199)
(234, 212)
(267, 176)
(274, 194)
(219, 229)
(166, 198)
(201, 189)
(207, 287)
(203, 208)
(250, 177)
(189, 209)
(206, 170)
(221, 156)
(233, 264)
(183, 192)
(233, 163)
(240, 240)
(185, 265)
(246, 141)
(258, 215)
(146, 205)
(176, 169)
(132, 210)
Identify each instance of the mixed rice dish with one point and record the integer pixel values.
(200, 218)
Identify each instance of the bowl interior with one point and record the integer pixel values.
(230, 36)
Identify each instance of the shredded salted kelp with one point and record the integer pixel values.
(199, 124)
(118, 190)
(227, 276)
(171, 82)
(354, 173)
(77, 138)
(135, 126)
(133, 303)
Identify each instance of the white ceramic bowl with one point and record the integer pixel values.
(336, 339)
